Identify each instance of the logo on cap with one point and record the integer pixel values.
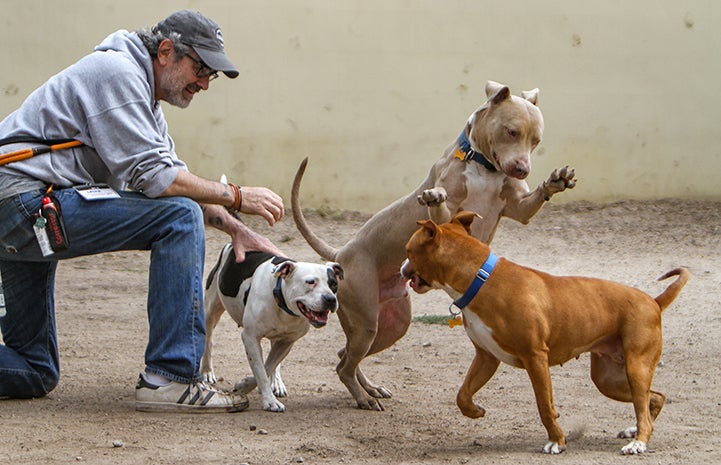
(219, 36)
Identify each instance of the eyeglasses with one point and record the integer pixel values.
(203, 69)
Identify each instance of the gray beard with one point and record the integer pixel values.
(170, 85)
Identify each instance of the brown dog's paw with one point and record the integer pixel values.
(473, 411)
(553, 448)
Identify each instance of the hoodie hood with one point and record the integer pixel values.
(130, 45)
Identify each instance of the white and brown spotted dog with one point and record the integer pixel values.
(269, 297)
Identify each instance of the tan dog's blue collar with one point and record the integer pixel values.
(465, 152)
(484, 272)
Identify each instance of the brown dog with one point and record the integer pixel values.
(482, 171)
(532, 320)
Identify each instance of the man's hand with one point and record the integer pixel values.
(215, 197)
(242, 237)
(263, 202)
(255, 200)
(245, 239)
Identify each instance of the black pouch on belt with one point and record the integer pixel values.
(55, 226)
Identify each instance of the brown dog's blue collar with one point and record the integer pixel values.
(465, 152)
(482, 275)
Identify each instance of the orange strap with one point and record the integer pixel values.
(22, 154)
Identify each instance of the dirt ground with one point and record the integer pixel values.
(102, 327)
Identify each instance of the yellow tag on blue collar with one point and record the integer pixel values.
(456, 320)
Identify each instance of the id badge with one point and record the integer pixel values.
(96, 192)
(42, 235)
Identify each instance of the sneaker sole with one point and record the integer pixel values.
(170, 407)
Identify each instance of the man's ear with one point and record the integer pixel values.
(166, 52)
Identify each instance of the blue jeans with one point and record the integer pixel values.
(171, 228)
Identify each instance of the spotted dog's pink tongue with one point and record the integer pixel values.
(317, 319)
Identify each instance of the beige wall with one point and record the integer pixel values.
(373, 90)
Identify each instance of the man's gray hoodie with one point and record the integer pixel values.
(105, 100)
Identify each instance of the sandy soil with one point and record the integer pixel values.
(90, 417)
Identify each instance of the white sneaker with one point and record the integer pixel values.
(177, 397)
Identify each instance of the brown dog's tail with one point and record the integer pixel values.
(672, 291)
(321, 247)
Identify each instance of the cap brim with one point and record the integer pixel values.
(217, 60)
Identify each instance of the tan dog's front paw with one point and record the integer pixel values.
(370, 403)
(432, 197)
(560, 180)
(379, 392)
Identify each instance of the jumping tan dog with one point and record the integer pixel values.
(532, 320)
(482, 171)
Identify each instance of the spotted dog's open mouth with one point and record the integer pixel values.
(317, 319)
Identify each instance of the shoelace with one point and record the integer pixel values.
(199, 392)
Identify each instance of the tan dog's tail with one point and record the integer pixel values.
(672, 291)
(321, 247)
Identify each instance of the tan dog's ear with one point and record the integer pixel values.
(531, 95)
(465, 218)
(496, 92)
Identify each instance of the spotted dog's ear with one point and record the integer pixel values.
(335, 274)
(284, 269)
(337, 269)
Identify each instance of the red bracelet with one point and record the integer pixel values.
(238, 197)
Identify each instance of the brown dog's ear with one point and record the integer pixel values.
(465, 218)
(531, 95)
(429, 227)
(496, 92)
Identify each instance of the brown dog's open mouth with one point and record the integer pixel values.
(418, 284)
(317, 319)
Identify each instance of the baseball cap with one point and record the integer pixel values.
(203, 35)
